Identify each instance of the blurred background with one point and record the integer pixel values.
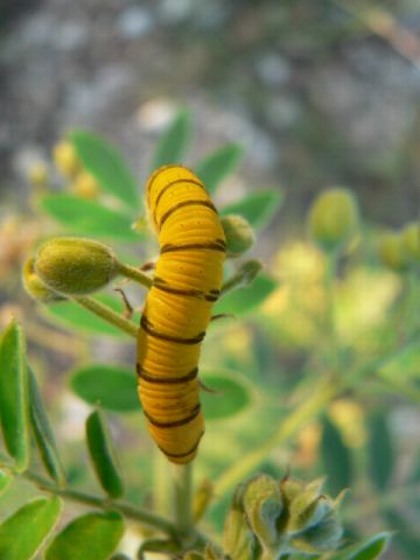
(320, 94)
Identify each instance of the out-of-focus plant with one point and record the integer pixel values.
(307, 357)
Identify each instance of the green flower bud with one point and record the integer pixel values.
(248, 271)
(35, 287)
(263, 505)
(75, 266)
(333, 219)
(239, 234)
(238, 540)
(411, 241)
(66, 159)
(392, 253)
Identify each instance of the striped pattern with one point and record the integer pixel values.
(187, 281)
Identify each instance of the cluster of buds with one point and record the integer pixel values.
(400, 250)
(269, 519)
(69, 165)
(67, 162)
(333, 219)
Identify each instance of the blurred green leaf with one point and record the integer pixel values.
(257, 208)
(336, 458)
(88, 217)
(25, 531)
(231, 394)
(368, 550)
(406, 364)
(92, 536)
(407, 538)
(380, 450)
(5, 481)
(111, 387)
(245, 300)
(14, 409)
(108, 167)
(173, 142)
(103, 455)
(44, 436)
(214, 168)
(71, 315)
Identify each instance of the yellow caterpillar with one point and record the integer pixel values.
(187, 281)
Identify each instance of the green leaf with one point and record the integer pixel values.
(71, 315)
(173, 143)
(246, 299)
(258, 208)
(5, 481)
(107, 165)
(42, 430)
(103, 455)
(88, 217)
(380, 449)
(405, 365)
(214, 168)
(336, 458)
(24, 532)
(112, 387)
(368, 550)
(14, 407)
(92, 536)
(406, 537)
(228, 394)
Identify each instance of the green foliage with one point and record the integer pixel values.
(246, 299)
(107, 165)
(226, 396)
(90, 218)
(111, 387)
(43, 433)
(14, 395)
(173, 143)
(215, 167)
(336, 458)
(381, 452)
(102, 454)
(94, 535)
(24, 532)
(369, 550)
(258, 209)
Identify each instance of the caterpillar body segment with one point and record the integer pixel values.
(177, 311)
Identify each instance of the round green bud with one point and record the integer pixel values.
(411, 241)
(392, 253)
(239, 234)
(75, 266)
(333, 219)
(35, 287)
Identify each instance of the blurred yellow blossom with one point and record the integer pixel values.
(349, 417)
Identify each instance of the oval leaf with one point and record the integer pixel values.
(257, 208)
(102, 454)
(24, 532)
(380, 449)
(336, 458)
(368, 550)
(173, 143)
(14, 409)
(227, 395)
(94, 535)
(5, 481)
(88, 217)
(214, 168)
(43, 433)
(246, 299)
(112, 387)
(107, 165)
(71, 315)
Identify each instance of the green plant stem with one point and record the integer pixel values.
(330, 311)
(107, 314)
(135, 274)
(319, 399)
(144, 517)
(182, 493)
